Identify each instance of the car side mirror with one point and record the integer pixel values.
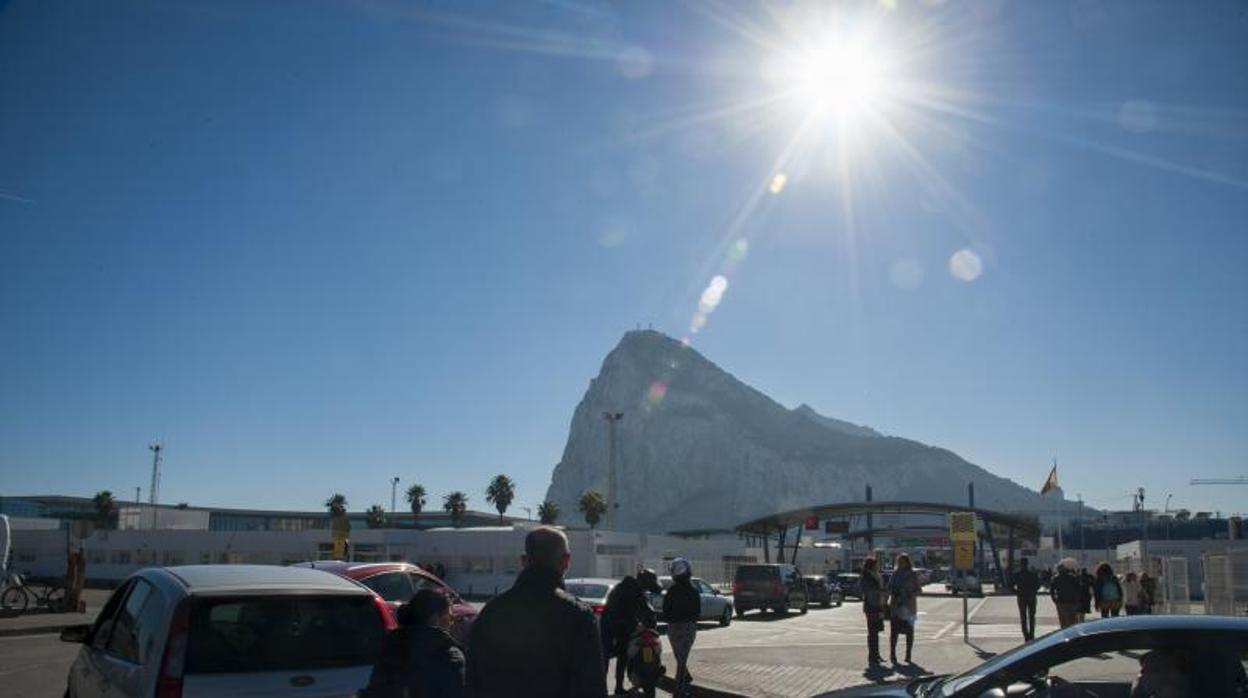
(78, 634)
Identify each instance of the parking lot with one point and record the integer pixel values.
(760, 654)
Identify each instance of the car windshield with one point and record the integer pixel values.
(587, 591)
(282, 633)
(950, 686)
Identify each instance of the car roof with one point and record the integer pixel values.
(210, 579)
(592, 580)
(1151, 623)
(360, 570)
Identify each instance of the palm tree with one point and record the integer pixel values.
(336, 504)
(455, 503)
(375, 517)
(416, 500)
(548, 512)
(501, 491)
(593, 505)
(105, 508)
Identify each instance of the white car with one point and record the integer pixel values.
(967, 584)
(218, 630)
(591, 590)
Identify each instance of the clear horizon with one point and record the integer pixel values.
(312, 250)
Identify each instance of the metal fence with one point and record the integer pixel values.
(1226, 582)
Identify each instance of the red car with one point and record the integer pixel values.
(397, 582)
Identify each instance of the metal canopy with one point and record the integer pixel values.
(796, 517)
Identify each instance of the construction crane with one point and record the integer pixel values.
(1241, 480)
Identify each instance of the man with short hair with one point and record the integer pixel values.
(535, 639)
(1026, 583)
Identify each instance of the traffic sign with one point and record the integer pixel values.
(964, 555)
(962, 526)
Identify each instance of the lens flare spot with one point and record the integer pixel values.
(965, 265)
(698, 322)
(658, 390)
(712, 296)
(739, 250)
(777, 183)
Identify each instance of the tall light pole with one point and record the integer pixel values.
(1167, 513)
(612, 502)
(153, 491)
(1082, 555)
(394, 486)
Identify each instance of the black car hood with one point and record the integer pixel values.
(903, 688)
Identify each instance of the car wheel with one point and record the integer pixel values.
(726, 618)
(805, 607)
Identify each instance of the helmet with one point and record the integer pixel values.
(680, 567)
(648, 580)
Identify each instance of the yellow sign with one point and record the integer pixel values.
(963, 555)
(962, 526)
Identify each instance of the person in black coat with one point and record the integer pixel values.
(1026, 584)
(535, 639)
(419, 658)
(682, 607)
(626, 608)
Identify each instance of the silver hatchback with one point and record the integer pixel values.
(228, 630)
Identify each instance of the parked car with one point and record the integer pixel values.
(1189, 655)
(778, 587)
(397, 582)
(850, 584)
(715, 606)
(591, 590)
(822, 590)
(216, 630)
(965, 583)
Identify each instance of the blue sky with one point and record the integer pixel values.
(314, 248)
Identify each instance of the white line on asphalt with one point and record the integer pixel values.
(976, 609)
(944, 629)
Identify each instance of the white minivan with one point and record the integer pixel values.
(230, 630)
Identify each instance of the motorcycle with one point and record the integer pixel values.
(645, 659)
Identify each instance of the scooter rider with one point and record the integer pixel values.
(626, 608)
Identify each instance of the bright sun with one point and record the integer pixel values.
(837, 79)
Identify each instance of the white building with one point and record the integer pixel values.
(478, 561)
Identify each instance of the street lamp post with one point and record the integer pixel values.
(612, 503)
(1167, 512)
(394, 488)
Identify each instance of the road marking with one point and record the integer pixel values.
(946, 628)
(976, 609)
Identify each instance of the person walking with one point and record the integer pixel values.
(1025, 584)
(626, 608)
(903, 592)
(1087, 586)
(1131, 592)
(1108, 591)
(1148, 593)
(419, 658)
(1066, 590)
(682, 607)
(874, 603)
(535, 639)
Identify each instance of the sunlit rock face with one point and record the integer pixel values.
(699, 449)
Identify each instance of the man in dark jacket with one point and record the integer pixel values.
(420, 658)
(1026, 583)
(1066, 590)
(682, 607)
(536, 639)
(627, 607)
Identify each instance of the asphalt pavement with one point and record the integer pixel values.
(34, 666)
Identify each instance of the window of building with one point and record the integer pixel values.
(478, 564)
(120, 557)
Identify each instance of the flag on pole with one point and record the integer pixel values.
(1050, 482)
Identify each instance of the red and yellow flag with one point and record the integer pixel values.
(1050, 482)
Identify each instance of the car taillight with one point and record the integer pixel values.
(173, 664)
(387, 616)
(736, 587)
(599, 608)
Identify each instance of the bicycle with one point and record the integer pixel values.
(18, 595)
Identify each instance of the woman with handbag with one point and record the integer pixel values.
(903, 590)
(874, 603)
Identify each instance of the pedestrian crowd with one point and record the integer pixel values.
(535, 638)
(1077, 592)
(896, 601)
